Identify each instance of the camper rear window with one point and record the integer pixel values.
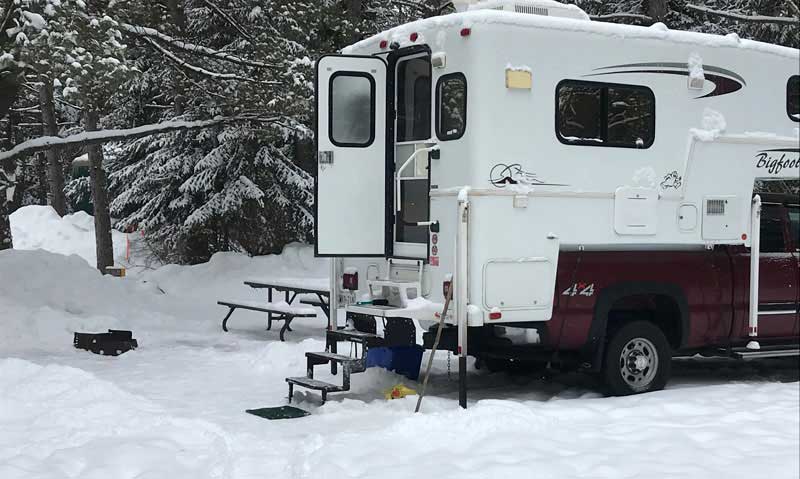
(451, 106)
(605, 114)
(793, 98)
(352, 109)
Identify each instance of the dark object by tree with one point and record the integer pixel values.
(112, 343)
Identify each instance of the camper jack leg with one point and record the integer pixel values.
(755, 253)
(462, 298)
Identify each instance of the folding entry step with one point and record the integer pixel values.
(359, 337)
(349, 364)
(314, 384)
(780, 351)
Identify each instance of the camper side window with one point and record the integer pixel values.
(451, 106)
(352, 109)
(603, 114)
(793, 97)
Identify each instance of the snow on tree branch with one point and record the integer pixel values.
(190, 47)
(623, 16)
(744, 18)
(202, 71)
(103, 136)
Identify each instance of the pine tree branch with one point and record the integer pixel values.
(190, 47)
(103, 136)
(202, 71)
(229, 20)
(794, 7)
(58, 100)
(744, 18)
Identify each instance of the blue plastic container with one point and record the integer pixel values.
(405, 360)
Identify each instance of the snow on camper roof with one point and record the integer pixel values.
(474, 18)
(549, 8)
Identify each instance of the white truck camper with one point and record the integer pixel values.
(469, 151)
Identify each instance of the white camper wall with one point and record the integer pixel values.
(688, 163)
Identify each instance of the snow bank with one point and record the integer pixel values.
(52, 296)
(89, 428)
(40, 227)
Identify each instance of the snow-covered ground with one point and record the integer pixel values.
(174, 408)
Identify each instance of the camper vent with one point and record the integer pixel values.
(530, 9)
(715, 207)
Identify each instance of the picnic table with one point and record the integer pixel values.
(284, 310)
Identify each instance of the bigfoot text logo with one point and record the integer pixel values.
(775, 161)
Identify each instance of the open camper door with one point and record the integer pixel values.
(351, 156)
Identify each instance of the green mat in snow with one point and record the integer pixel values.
(282, 412)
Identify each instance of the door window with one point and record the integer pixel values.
(772, 230)
(414, 208)
(414, 99)
(794, 225)
(352, 109)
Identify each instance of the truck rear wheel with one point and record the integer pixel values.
(637, 359)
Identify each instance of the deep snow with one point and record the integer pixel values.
(174, 408)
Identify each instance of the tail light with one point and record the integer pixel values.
(350, 281)
(465, 32)
(446, 287)
(495, 315)
(413, 37)
(384, 44)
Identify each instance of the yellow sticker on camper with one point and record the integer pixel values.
(521, 79)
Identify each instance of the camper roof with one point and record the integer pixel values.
(475, 18)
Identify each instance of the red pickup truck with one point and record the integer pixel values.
(625, 314)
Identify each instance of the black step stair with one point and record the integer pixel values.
(314, 384)
(350, 365)
(779, 351)
(325, 357)
(367, 339)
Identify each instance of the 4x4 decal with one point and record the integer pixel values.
(582, 289)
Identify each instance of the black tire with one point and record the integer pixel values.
(637, 359)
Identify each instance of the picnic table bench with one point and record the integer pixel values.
(283, 310)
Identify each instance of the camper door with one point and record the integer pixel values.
(351, 156)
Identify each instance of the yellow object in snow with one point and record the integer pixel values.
(399, 391)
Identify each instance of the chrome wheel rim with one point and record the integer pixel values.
(638, 363)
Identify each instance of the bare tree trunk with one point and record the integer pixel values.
(102, 217)
(55, 170)
(354, 12)
(7, 183)
(41, 176)
(657, 9)
(6, 241)
(179, 18)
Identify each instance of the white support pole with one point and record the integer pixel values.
(755, 253)
(333, 301)
(461, 285)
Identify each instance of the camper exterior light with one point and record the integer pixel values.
(465, 32)
(413, 37)
(384, 44)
